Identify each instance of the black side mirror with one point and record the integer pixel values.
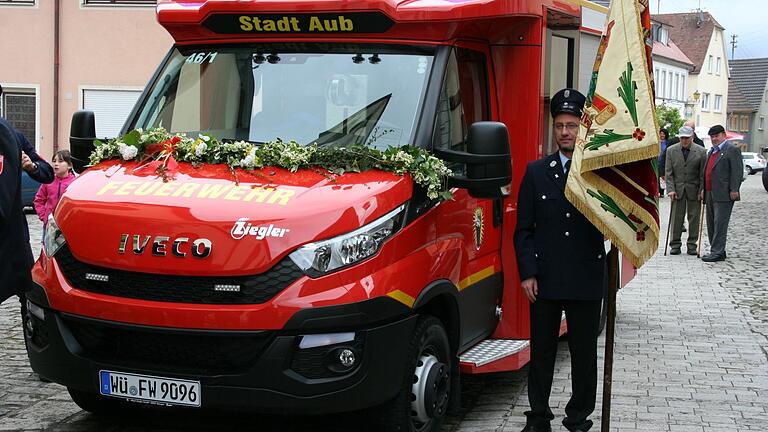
(82, 132)
(488, 160)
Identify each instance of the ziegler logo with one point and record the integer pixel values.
(242, 228)
(200, 248)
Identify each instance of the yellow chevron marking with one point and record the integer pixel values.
(402, 298)
(477, 277)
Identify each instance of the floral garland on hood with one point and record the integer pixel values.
(158, 151)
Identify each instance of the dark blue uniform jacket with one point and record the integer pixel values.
(15, 253)
(553, 241)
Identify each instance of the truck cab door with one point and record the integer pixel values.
(470, 226)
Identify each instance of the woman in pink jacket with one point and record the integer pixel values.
(49, 194)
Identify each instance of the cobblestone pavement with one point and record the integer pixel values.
(690, 355)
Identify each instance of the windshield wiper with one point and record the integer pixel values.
(362, 121)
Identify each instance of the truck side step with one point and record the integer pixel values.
(491, 350)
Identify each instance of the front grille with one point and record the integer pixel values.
(180, 289)
(199, 352)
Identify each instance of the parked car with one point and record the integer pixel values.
(754, 161)
(28, 190)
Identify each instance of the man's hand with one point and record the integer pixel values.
(530, 288)
(672, 195)
(734, 196)
(27, 164)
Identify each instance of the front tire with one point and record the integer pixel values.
(422, 402)
(750, 170)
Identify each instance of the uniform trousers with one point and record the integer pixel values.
(583, 318)
(718, 217)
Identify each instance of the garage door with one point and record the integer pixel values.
(111, 108)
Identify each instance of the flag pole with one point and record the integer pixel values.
(613, 284)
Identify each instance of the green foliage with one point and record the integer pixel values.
(669, 118)
(158, 144)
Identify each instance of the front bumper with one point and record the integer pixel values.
(258, 371)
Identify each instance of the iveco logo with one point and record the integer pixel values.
(200, 248)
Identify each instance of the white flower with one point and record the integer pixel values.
(200, 149)
(205, 138)
(127, 152)
(250, 160)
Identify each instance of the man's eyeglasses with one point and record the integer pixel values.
(570, 126)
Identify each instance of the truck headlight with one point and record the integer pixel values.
(53, 238)
(322, 257)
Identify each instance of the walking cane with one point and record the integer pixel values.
(669, 225)
(701, 228)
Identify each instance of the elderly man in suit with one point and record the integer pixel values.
(722, 177)
(561, 259)
(684, 166)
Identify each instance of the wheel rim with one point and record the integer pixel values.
(429, 393)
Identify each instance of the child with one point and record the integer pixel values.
(49, 194)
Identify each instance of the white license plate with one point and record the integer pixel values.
(152, 389)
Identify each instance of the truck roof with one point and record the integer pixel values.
(191, 21)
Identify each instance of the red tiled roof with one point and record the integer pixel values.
(672, 52)
(691, 34)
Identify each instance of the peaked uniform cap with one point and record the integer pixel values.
(568, 101)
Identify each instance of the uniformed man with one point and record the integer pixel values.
(561, 260)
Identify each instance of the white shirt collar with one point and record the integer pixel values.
(563, 160)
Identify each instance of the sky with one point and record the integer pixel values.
(745, 18)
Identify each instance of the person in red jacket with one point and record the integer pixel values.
(49, 194)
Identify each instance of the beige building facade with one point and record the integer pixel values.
(107, 51)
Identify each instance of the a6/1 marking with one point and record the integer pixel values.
(202, 57)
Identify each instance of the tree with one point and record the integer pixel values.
(669, 118)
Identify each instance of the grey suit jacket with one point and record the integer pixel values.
(684, 175)
(727, 172)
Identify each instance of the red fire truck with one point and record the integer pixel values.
(287, 292)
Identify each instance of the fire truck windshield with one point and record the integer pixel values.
(329, 94)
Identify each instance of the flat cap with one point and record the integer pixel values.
(716, 129)
(685, 132)
(567, 100)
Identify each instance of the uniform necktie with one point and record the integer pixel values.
(567, 167)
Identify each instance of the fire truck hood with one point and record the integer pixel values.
(113, 217)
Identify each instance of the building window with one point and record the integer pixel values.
(718, 103)
(762, 123)
(670, 89)
(717, 66)
(20, 111)
(709, 64)
(705, 101)
(676, 89)
(17, 2)
(682, 88)
(119, 2)
(663, 36)
(744, 123)
(663, 80)
(733, 121)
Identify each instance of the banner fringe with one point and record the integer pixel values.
(649, 151)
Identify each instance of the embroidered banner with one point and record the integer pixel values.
(613, 178)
